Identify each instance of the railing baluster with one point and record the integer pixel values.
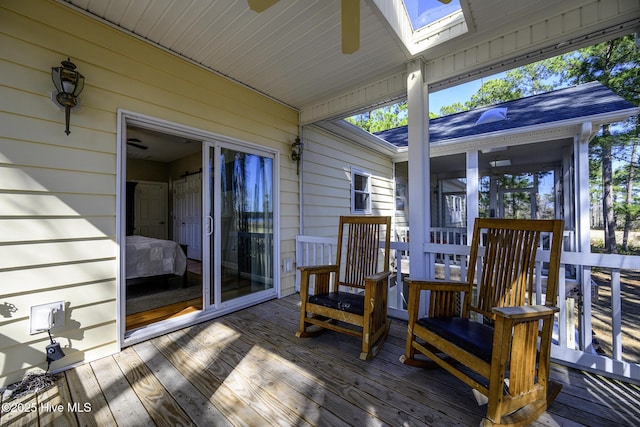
(616, 314)
(538, 284)
(562, 302)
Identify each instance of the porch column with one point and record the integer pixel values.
(419, 169)
(583, 229)
(472, 192)
(583, 223)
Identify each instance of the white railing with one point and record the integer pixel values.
(573, 341)
(313, 250)
(449, 235)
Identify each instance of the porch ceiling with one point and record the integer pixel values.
(291, 52)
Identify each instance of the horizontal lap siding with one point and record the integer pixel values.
(328, 160)
(58, 192)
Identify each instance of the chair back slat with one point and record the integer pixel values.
(359, 254)
(507, 267)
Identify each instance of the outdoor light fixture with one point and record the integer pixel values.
(296, 153)
(69, 83)
(500, 163)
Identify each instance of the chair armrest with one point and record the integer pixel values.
(528, 312)
(376, 283)
(378, 276)
(315, 269)
(322, 273)
(439, 285)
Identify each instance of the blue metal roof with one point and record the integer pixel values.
(564, 104)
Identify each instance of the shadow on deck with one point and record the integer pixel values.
(248, 368)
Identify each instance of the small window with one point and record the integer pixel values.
(360, 192)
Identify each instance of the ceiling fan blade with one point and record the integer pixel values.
(134, 142)
(350, 26)
(261, 5)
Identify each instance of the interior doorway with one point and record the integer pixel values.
(163, 262)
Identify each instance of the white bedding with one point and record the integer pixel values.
(152, 257)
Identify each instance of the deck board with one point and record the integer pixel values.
(84, 388)
(123, 402)
(249, 369)
(162, 408)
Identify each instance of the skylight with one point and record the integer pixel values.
(426, 12)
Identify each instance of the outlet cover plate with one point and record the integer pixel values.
(58, 315)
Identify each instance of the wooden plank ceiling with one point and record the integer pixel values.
(291, 51)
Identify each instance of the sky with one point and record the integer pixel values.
(424, 12)
(461, 93)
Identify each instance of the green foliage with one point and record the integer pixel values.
(531, 79)
(456, 107)
(615, 64)
(381, 119)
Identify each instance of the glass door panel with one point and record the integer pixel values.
(246, 223)
(241, 204)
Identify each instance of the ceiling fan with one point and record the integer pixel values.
(350, 11)
(135, 142)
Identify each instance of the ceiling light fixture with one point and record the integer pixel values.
(500, 163)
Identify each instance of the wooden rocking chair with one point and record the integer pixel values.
(354, 290)
(499, 334)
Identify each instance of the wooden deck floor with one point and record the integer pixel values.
(248, 368)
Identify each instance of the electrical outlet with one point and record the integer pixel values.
(46, 316)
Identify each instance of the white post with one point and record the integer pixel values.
(419, 169)
(473, 200)
(493, 197)
(583, 229)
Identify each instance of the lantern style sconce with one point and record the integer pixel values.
(296, 153)
(69, 83)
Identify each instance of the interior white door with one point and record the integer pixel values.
(187, 209)
(151, 202)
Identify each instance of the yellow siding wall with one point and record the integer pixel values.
(327, 180)
(58, 192)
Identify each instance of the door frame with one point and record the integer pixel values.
(127, 118)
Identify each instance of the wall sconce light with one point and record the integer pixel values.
(69, 83)
(296, 153)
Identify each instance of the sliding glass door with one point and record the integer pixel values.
(240, 223)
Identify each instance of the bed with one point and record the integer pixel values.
(149, 257)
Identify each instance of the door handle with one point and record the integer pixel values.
(209, 226)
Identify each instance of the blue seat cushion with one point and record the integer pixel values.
(473, 337)
(344, 301)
